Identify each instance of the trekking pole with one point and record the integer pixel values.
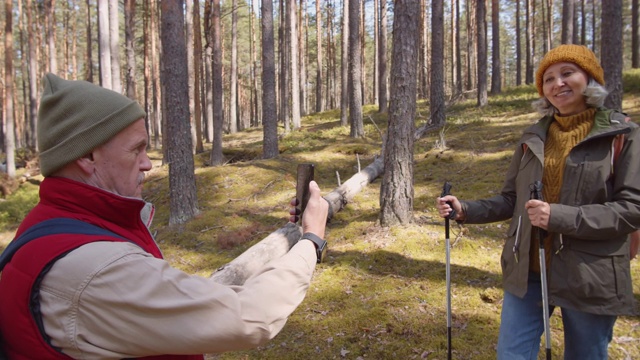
(536, 193)
(447, 191)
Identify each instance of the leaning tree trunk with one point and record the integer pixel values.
(280, 241)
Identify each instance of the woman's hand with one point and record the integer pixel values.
(539, 213)
(448, 203)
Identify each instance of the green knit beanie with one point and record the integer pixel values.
(75, 117)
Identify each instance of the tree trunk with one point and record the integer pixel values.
(319, 105)
(114, 43)
(583, 23)
(104, 49)
(9, 136)
(423, 88)
(457, 55)
(51, 34)
(233, 73)
(496, 76)
(33, 75)
(182, 183)
(567, 21)
(472, 39)
(146, 65)
(635, 34)
(383, 75)
(436, 97)
(295, 75)
(269, 106)
(303, 33)
(363, 55)
(529, 43)
(612, 53)
(88, 63)
(284, 68)
(376, 45)
(130, 37)
(344, 61)
(216, 74)
(518, 46)
(208, 55)
(396, 191)
(197, 78)
(157, 89)
(482, 53)
(355, 98)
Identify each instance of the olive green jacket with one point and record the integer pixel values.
(590, 265)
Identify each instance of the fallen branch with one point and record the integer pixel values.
(280, 241)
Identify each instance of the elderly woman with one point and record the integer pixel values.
(587, 213)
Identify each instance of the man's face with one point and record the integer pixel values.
(120, 163)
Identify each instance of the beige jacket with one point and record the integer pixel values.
(116, 285)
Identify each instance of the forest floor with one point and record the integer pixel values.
(381, 293)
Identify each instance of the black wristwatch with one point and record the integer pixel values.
(321, 245)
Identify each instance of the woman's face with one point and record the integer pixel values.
(563, 84)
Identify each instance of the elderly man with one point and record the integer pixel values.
(93, 284)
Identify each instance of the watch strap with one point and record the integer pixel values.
(317, 240)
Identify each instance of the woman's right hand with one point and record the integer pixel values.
(448, 203)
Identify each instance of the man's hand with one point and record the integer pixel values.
(314, 219)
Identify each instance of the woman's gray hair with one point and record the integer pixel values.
(594, 93)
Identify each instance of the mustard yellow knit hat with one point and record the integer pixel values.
(75, 117)
(577, 54)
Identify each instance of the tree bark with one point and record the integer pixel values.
(567, 21)
(130, 37)
(216, 73)
(436, 93)
(635, 34)
(518, 46)
(88, 63)
(396, 191)
(319, 104)
(33, 75)
(295, 75)
(183, 202)
(9, 136)
(197, 78)
(114, 44)
(269, 106)
(104, 48)
(482, 53)
(51, 34)
(612, 53)
(233, 73)
(383, 75)
(496, 76)
(355, 98)
(344, 61)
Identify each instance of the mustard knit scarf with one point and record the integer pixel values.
(563, 134)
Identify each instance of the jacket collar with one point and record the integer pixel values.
(82, 199)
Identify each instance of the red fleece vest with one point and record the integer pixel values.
(21, 334)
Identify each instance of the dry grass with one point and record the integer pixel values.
(381, 294)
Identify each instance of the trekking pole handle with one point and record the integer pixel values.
(536, 193)
(446, 190)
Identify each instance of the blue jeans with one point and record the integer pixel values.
(586, 336)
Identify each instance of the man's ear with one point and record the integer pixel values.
(86, 163)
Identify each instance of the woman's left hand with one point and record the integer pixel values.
(539, 213)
